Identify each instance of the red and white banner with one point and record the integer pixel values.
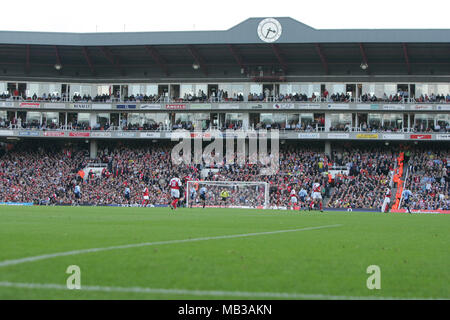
(79, 134)
(421, 136)
(53, 134)
(175, 106)
(33, 105)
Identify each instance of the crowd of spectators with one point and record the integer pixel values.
(365, 180)
(429, 180)
(223, 96)
(49, 175)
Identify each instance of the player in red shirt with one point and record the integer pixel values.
(317, 195)
(146, 198)
(174, 184)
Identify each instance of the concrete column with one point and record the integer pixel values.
(328, 147)
(93, 149)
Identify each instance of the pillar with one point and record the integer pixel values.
(328, 148)
(93, 149)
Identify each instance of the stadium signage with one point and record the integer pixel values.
(393, 107)
(284, 106)
(363, 106)
(175, 106)
(100, 134)
(257, 106)
(30, 105)
(126, 134)
(338, 136)
(150, 106)
(150, 135)
(29, 133)
(200, 106)
(53, 134)
(101, 107)
(80, 106)
(367, 136)
(54, 106)
(374, 107)
(6, 133)
(443, 137)
(308, 136)
(422, 107)
(6, 104)
(394, 136)
(421, 136)
(79, 134)
(338, 106)
(228, 106)
(443, 107)
(309, 106)
(126, 106)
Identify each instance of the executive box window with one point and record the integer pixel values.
(423, 122)
(340, 121)
(50, 119)
(393, 121)
(234, 120)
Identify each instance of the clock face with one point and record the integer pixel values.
(269, 30)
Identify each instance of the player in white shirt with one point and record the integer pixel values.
(317, 195)
(175, 185)
(387, 200)
(294, 199)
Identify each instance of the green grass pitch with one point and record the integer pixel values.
(412, 252)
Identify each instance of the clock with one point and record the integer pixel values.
(269, 30)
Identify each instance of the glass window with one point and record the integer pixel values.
(423, 121)
(339, 121)
(135, 89)
(306, 119)
(136, 119)
(256, 88)
(83, 118)
(51, 118)
(103, 119)
(33, 117)
(443, 122)
(186, 89)
(392, 121)
(390, 89)
(151, 89)
(3, 118)
(233, 120)
(157, 118)
(292, 120)
(374, 120)
(336, 88)
(101, 90)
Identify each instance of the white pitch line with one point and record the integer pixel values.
(145, 244)
(204, 293)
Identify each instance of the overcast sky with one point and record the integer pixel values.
(176, 15)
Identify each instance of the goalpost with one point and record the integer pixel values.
(242, 194)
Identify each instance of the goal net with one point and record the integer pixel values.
(227, 194)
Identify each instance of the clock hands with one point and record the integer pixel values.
(270, 30)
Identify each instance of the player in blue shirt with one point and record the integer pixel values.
(407, 195)
(203, 191)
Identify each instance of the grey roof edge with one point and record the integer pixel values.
(242, 33)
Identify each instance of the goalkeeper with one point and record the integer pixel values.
(224, 195)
